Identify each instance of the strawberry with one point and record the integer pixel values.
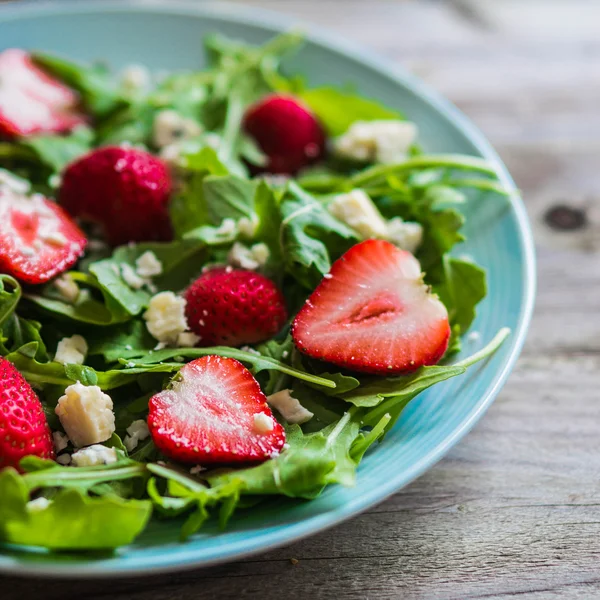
(31, 101)
(38, 240)
(287, 132)
(373, 313)
(23, 427)
(234, 307)
(125, 190)
(214, 413)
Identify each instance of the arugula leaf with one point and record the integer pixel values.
(338, 109)
(23, 335)
(122, 341)
(10, 294)
(228, 196)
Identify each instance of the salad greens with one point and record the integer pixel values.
(218, 204)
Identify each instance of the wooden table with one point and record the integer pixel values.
(514, 509)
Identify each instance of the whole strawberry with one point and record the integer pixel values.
(125, 190)
(287, 132)
(23, 427)
(234, 307)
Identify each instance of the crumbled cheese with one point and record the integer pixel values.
(38, 504)
(55, 181)
(227, 227)
(71, 350)
(187, 339)
(247, 227)
(359, 212)
(248, 258)
(67, 288)
(377, 141)
(93, 456)
(405, 234)
(135, 78)
(64, 459)
(169, 127)
(147, 265)
(165, 317)
(131, 278)
(263, 423)
(136, 432)
(289, 408)
(13, 183)
(61, 441)
(86, 413)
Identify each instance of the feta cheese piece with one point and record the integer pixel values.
(289, 408)
(405, 234)
(93, 456)
(169, 127)
(136, 432)
(385, 141)
(263, 423)
(38, 504)
(71, 350)
(67, 288)
(248, 258)
(187, 339)
(165, 317)
(359, 212)
(131, 278)
(147, 265)
(135, 78)
(61, 441)
(247, 227)
(227, 227)
(86, 413)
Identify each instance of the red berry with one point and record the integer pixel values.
(31, 101)
(287, 132)
(123, 189)
(214, 413)
(234, 307)
(373, 313)
(23, 427)
(38, 239)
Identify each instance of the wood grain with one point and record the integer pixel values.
(514, 510)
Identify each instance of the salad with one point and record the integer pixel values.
(216, 287)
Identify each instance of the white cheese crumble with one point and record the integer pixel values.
(187, 339)
(263, 423)
(247, 227)
(38, 504)
(385, 141)
(86, 413)
(405, 234)
(131, 278)
(169, 127)
(61, 441)
(358, 211)
(165, 317)
(71, 350)
(248, 258)
(67, 288)
(289, 408)
(135, 78)
(136, 432)
(93, 456)
(148, 265)
(227, 227)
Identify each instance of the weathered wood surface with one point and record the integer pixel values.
(514, 510)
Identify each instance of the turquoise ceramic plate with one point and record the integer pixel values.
(168, 36)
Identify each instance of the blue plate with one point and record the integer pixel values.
(168, 36)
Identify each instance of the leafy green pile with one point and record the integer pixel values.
(108, 506)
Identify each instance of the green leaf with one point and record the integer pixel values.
(228, 197)
(22, 335)
(122, 341)
(10, 294)
(337, 109)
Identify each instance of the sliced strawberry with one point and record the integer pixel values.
(31, 101)
(214, 413)
(287, 132)
(374, 314)
(38, 240)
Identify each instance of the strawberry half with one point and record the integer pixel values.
(214, 413)
(287, 132)
(38, 240)
(125, 190)
(23, 427)
(31, 101)
(374, 314)
(234, 307)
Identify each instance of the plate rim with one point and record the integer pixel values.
(185, 559)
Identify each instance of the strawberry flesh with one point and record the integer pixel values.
(234, 307)
(38, 240)
(287, 132)
(208, 416)
(23, 427)
(31, 101)
(374, 314)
